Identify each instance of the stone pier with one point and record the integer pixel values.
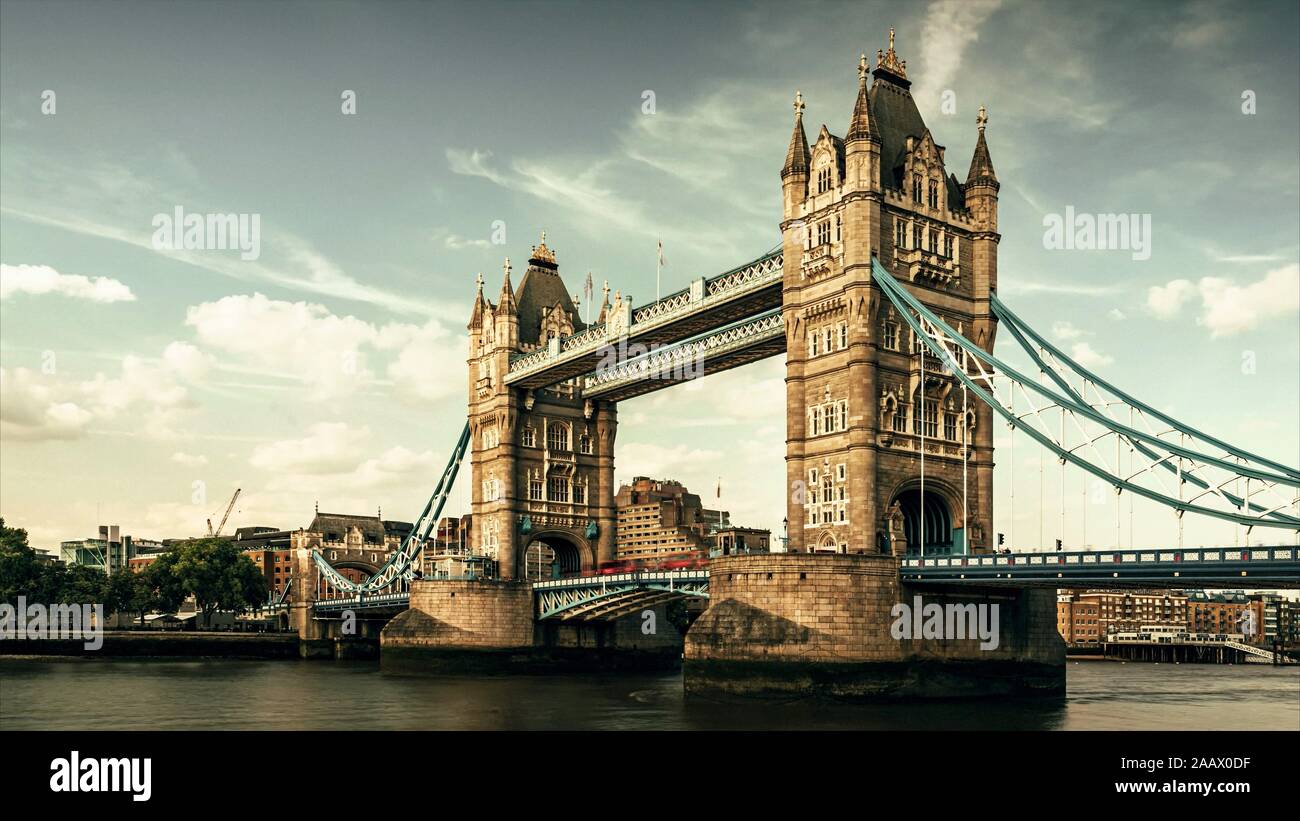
(477, 626)
(786, 624)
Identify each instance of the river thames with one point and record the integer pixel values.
(126, 694)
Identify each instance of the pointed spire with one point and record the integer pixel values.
(888, 64)
(480, 304)
(981, 164)
(507, 298)
(861, 126)
(797, 157)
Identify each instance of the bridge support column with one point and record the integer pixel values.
(826, 625)
(312, 641)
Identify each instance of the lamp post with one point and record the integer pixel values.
(785, 535)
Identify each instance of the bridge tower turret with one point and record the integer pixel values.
(542, 461)
(861, 395)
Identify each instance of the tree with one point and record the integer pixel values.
(129, 592)
(83, 585)
(219, 575)
(21, 572)
(164, 589)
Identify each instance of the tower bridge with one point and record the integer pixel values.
(882, 297)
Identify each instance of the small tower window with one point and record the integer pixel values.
(823, 232)
(947, 245)
(934, 194)
(529, 438)
(916, 188)
(900, 234)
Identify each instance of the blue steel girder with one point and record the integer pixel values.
(1217, 567)
(749, 340)
(402, 563)
(708, 303)
(609, 597)
(996, 384)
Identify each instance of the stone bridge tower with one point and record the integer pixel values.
(542, 460)
(860, 397)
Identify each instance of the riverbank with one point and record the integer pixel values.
(142, 644)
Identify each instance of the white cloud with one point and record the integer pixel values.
(1166, 301)
(1085, 355)
(328, 447)
(331, 355)
(456, 242)
(42, 279)
(189, 460)
(1116, 314)
(32, 409)
(950, 26)
(1065, 331)
(35, 407)
(1228, 308)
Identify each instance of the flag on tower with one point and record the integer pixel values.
(661, 254)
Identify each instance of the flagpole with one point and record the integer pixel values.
(659, 259)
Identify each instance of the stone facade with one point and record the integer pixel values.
(856, 379)
(542, 460)
(794, 623)
(481, 615)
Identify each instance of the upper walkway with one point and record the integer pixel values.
(709, 303)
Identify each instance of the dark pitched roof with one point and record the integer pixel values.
(797, 156)
(541, 290)
(396, 528)
(861, 126)
(336, 526)
(897, 118)
(981, 164)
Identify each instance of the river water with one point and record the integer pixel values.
(127, 694)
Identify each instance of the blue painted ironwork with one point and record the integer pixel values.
(1160, 567)
(937, 336)
(600, 598)
(400, 568)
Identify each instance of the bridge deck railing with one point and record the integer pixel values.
(1111, 557)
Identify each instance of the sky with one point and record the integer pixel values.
(142, 385)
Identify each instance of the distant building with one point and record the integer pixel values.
(262, 538)
(658, 518)
(1223, 613)
(1281, 621)
(1084, 617)
(145, 552)
(357, 546)
(108, 553)
(732, 540)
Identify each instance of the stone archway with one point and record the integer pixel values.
(556, 553)
(934, 524)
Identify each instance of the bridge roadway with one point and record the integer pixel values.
(604, 597)
(1232, 567)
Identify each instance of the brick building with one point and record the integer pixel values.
(1225, 613)
(659, 518)
(1085, 617)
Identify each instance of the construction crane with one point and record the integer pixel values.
(229, 508)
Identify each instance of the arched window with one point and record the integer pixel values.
(557, 437)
